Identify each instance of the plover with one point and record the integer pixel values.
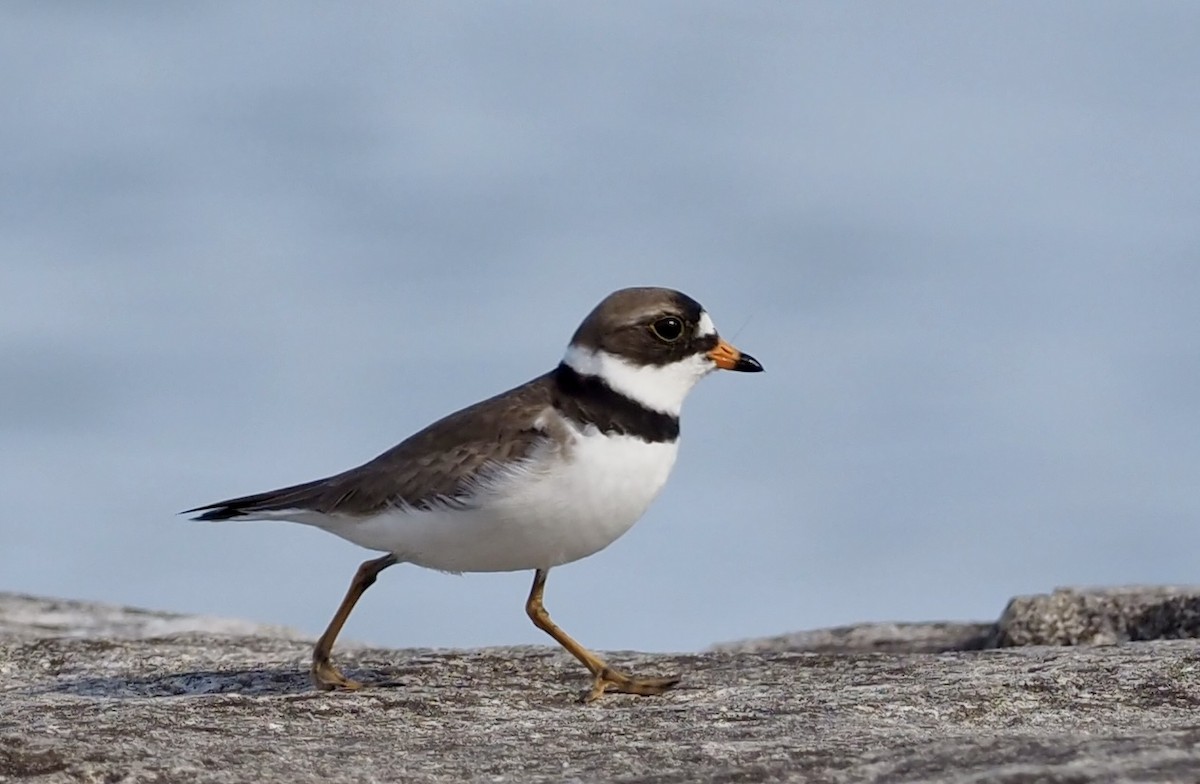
(544, 474)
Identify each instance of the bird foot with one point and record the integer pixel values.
(326, 677)
(615, 681)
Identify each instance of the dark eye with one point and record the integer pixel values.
(669, 329)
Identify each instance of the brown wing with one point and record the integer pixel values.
(436, 465)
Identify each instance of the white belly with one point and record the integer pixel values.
(552, 512)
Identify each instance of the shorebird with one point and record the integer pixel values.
(544, 474)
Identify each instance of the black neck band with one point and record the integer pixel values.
(587, 400)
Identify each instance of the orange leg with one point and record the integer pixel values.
(324, 674)
(604, 678)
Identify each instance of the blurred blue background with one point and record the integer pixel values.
(245, 245)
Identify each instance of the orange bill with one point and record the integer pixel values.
(729, 358)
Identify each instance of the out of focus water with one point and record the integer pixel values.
(247, 245)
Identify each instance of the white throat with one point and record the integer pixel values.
(657, 387)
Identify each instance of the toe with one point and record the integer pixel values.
(618, 682)
(327, 678)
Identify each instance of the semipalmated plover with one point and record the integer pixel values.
(541, 475)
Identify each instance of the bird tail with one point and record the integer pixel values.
(259, 504)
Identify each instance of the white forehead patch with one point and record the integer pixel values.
(705, 326)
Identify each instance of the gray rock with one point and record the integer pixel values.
(1101, 616)
(935, 637)
(207, 707)
(40, 617)
(1068, 616)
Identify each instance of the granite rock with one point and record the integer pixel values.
(1100, 616)
(1066, 616)
(933, 637)
(40, 617)
(210, 706)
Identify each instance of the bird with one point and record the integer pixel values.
(549, 472)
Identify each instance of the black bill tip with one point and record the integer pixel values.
(747, 364)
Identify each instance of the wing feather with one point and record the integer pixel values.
(441, 464)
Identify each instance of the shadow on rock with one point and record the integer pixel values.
(1175, 618)
(191, 684)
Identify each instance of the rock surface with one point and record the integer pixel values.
(936, 637)
(1067, 616)
(214, 707)
(38, 616)
(1101, 616)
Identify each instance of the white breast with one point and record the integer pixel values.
(559, 506)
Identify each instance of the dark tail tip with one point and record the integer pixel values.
(214, 513)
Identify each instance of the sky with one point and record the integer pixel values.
(243, 245)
